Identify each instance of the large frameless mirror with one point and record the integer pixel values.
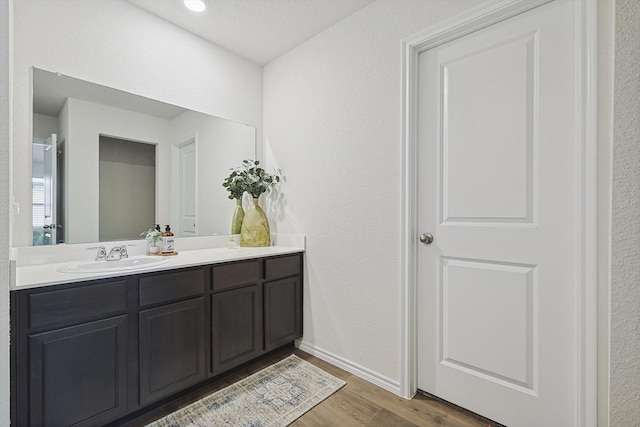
(107, 164)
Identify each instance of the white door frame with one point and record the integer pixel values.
(586, 333)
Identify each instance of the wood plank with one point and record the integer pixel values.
(351, 407)
(385, 418)
(419, 410)
(335, 412)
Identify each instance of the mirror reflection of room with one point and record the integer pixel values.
(81, 197)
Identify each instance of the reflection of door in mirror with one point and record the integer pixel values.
(188, 188)
(46, 227)
(127, 188)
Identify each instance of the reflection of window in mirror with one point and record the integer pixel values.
(127, 186)
(47, 169)
(39, 151)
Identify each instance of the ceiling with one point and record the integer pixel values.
(259, 30)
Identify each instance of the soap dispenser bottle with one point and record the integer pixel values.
(167, 241)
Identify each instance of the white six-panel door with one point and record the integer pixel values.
(497, 188)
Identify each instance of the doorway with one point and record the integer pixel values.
(127, 186)
(184, 186)
(497, 161)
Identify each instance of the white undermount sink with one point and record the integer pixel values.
(122, 265)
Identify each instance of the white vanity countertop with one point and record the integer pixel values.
(31, 275)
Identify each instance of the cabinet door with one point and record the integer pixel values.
(172, 353)
(78, 375)
(236, 327)
(282, 312)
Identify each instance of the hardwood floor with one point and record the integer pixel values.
(359, 403)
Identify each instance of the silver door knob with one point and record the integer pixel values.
(426, 238)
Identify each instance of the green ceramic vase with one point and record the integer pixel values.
(238, 216)
(255, 227)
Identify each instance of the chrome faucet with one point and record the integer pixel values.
(102, 253)
(118, 252)
(123, 251)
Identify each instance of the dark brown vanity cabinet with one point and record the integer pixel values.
(90, 353)
(283, 314)
(69, 355)
(172, 337)
(236, 327)
(256, 307)
(236, 314)
(282, 301)
(78, 374)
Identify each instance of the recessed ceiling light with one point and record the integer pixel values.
(195, 5)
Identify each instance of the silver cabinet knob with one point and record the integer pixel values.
(426, 238)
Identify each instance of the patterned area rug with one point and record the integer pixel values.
(274, 397)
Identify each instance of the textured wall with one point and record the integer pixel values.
(625, 244)
(333, 124)
(5, 120)
(119, 45)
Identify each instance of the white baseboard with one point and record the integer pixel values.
(353, 368)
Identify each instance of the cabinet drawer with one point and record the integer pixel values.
(166, 287)
(68, 306)
(282, 266)
(236, 274)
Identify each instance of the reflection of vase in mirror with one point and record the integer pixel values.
(255, 227)
(238, 217)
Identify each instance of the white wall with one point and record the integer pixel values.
(114, 43)
(44, 126)
(5, 135)
(332, 123)
(625, 231)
